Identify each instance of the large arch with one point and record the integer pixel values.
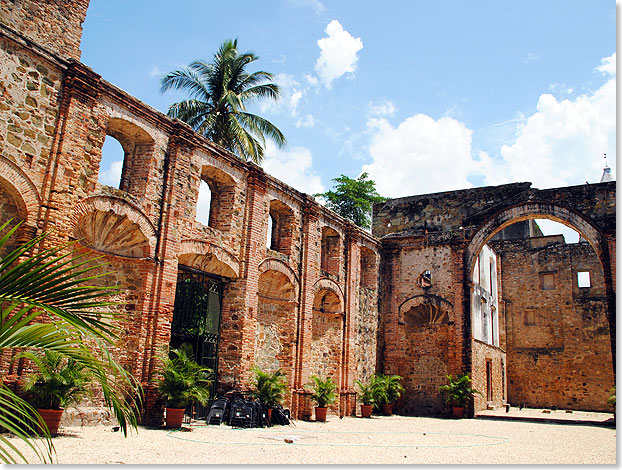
(554, 341)
(208, 257)
(15, 182)
(113, 226)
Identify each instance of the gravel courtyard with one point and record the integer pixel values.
(386, 440)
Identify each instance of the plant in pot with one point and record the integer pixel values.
(181, 382)
(459, 393)
(57, 382)
(270, 389)
(388, 389)
(368, 395)
(324, 393)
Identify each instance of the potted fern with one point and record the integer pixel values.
(459, 393)
(269, 388)
(324, 394)
(181, 382)
(387, 391)
(368, 393)
(56, 382)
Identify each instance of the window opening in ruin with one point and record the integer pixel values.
(488, 379)
(583, 279)
(111, 163)
(216, 192)
(547, 281)
(530, 316)
(204, 202)
(330, 251)
(270, 237)
(280, 227)
(368, 275)
(196, 319)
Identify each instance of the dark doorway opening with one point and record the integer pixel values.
(196, 320)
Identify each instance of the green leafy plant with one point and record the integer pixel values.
(270, 388)
(611, 401)
(58, 382)
(182, 380)
(324, 391)
(387, 389)
(353, 198)
(458, 390)
(368, 390)
(218, 94)
(47, 301)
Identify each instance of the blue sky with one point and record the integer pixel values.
(424, 96)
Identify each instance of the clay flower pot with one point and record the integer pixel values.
(320, 414)
(457, 412)
(52, 419)
(366, 411)
(174, 417)
(387, 409)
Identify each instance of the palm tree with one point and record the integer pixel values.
(218, 94)
(54, 283)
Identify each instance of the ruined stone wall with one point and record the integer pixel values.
(422, 349)
(366, 321)
(558, 342)
(55, 25)
(54, 118)
(494, 374)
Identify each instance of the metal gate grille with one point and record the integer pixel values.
(196, 320)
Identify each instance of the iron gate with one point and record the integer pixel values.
(196, 320)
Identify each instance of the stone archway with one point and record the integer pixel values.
(549, 321)
(326, 334)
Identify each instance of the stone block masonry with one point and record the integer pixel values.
(320, 296)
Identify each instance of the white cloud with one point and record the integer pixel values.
(294, 167)
(111, 176)
(608, 65)
(337, 53)
(311, 79)
(315, 5)
(307, 121)
(561, 89)
(531, 57)
(561, 144)
(155, 72)
(384, 109)
(419, 156)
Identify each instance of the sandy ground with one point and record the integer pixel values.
(385, 440)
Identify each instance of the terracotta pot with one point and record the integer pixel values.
(52, 419)
(366, 411)
(174, 417)
(457, 411)
(320, 414)
(269, 415)
(387, 410)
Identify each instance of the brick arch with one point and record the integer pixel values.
(513, 214)
(127, 133)
(531, 210)
(443, 305)
(272, 264)
(15, 182)
(125, 214)
(208, 257)
(329, 285)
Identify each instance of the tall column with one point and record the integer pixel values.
(310, 272)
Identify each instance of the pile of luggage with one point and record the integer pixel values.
(240, 413)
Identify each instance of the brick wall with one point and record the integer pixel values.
(558, 343)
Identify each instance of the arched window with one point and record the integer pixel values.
(280, 227)
(111, 164)
(204, 202)
(330, 251)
